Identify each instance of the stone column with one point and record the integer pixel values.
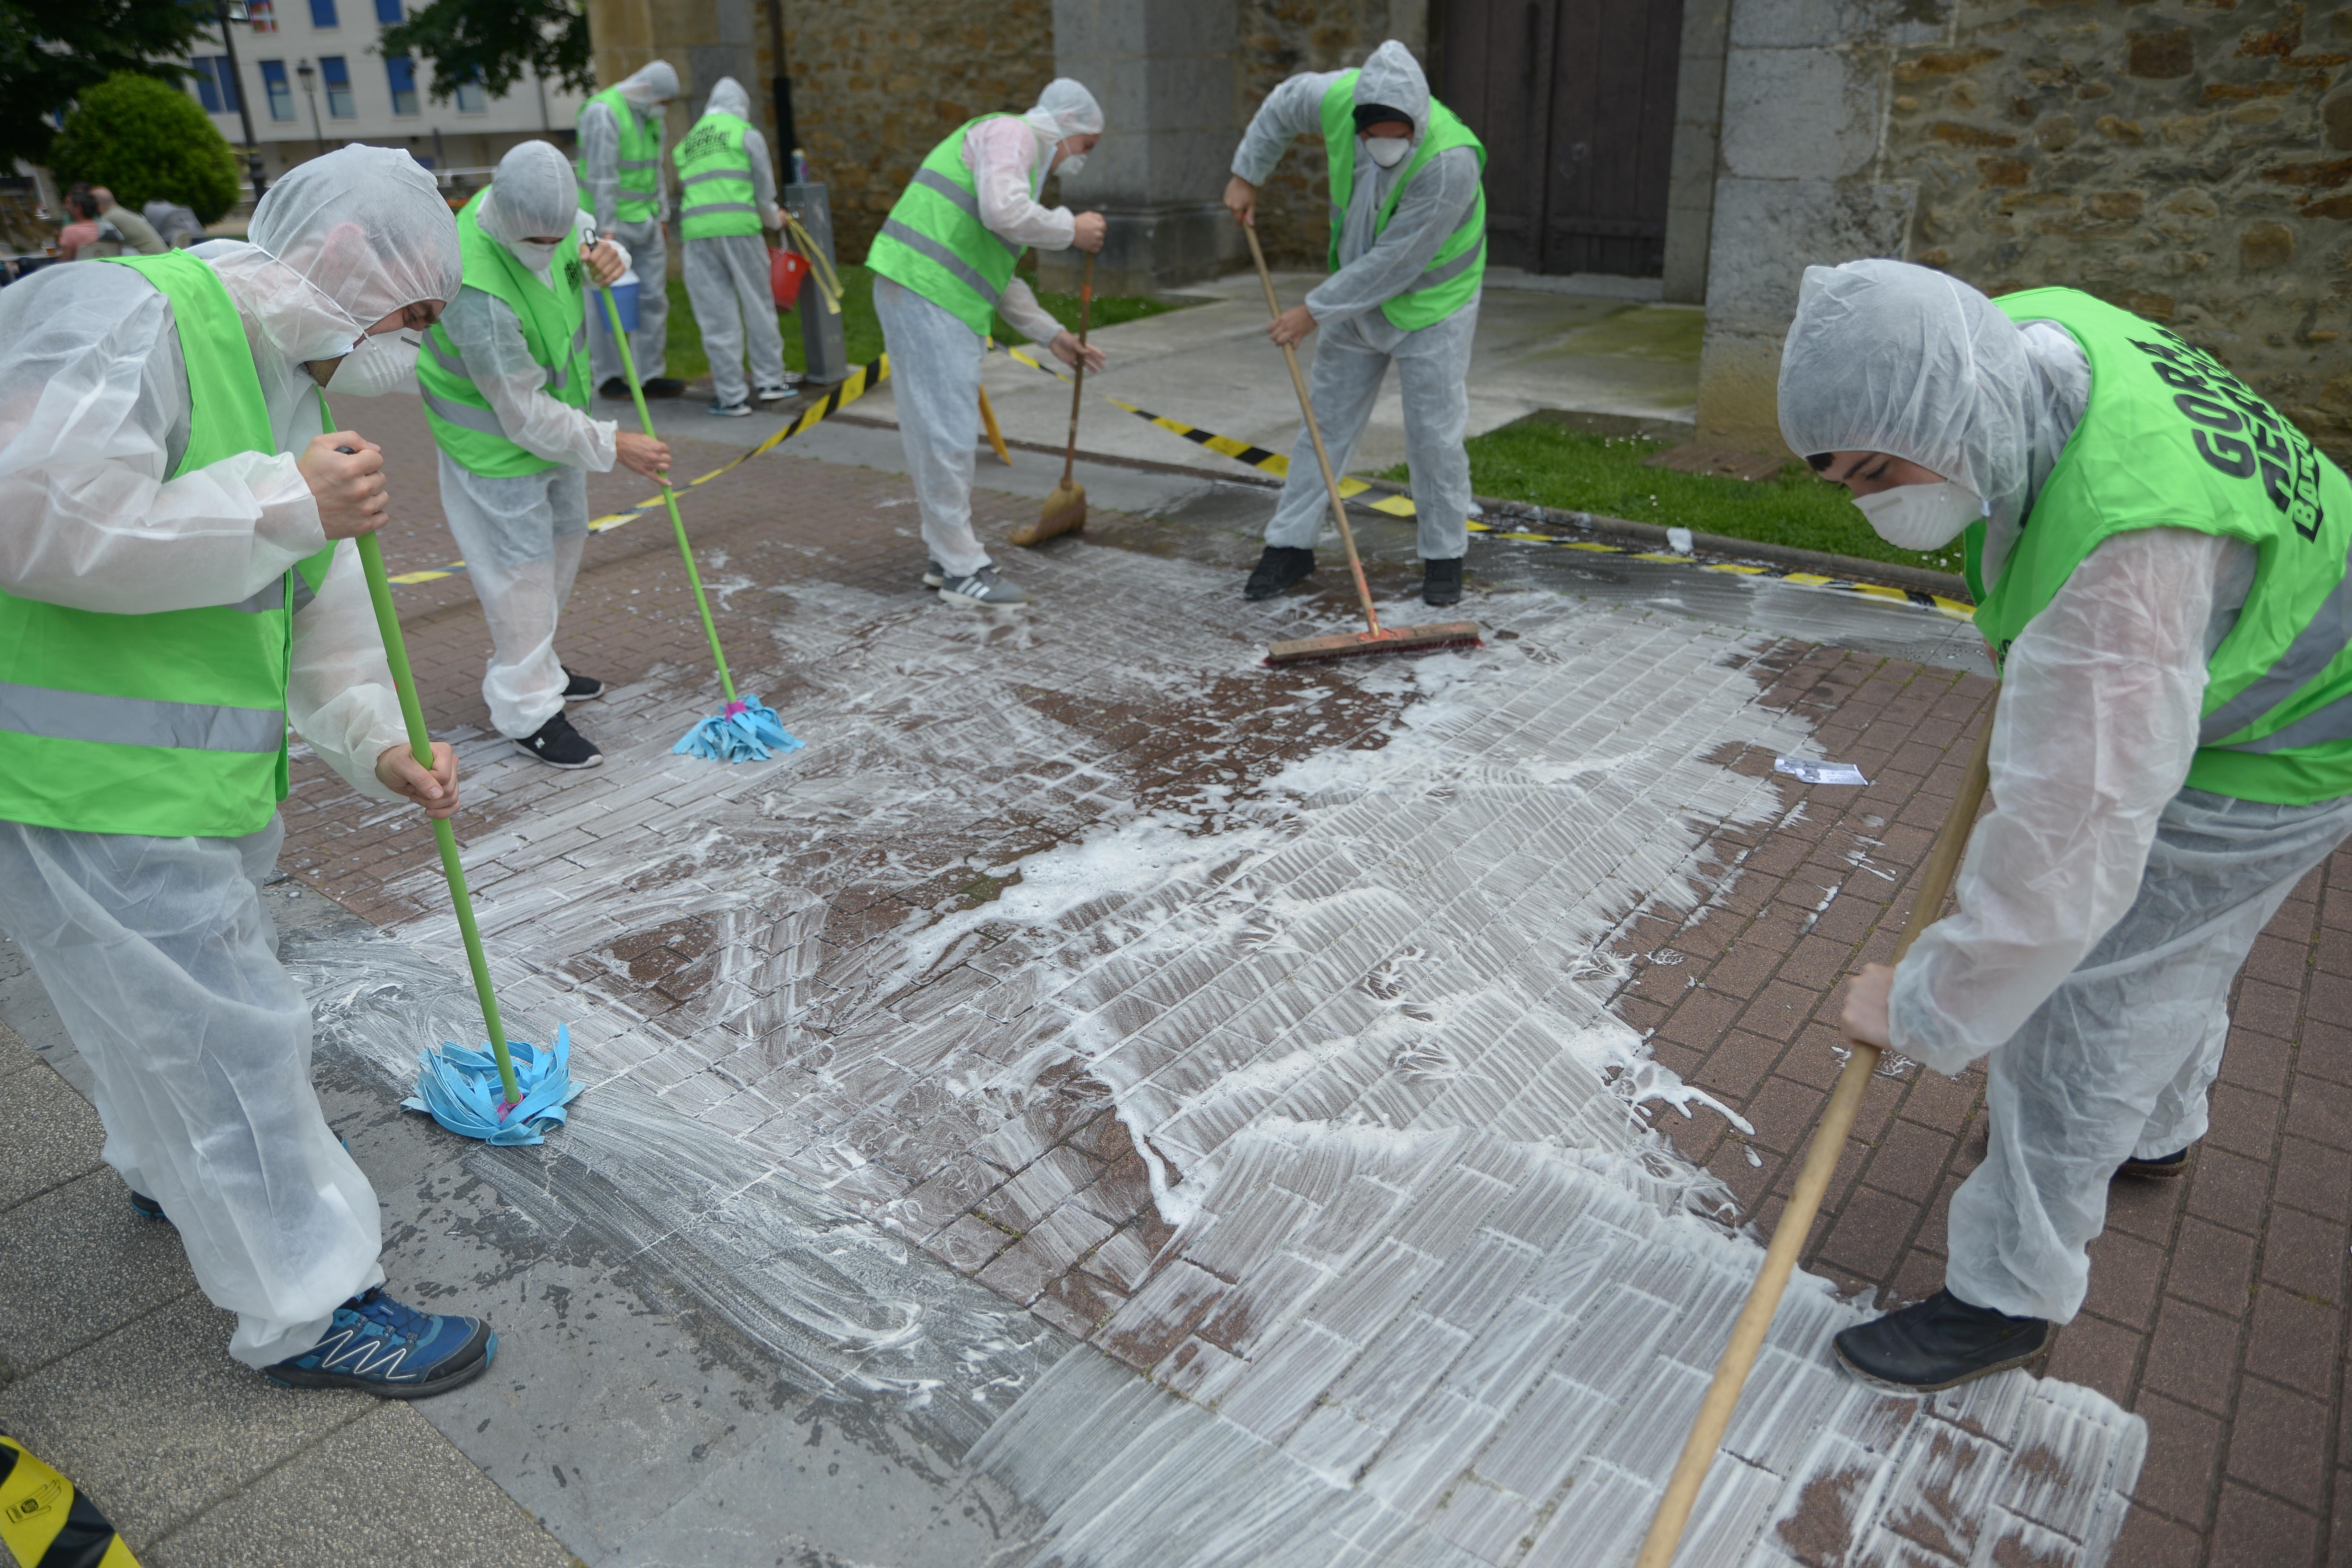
(1164, 75)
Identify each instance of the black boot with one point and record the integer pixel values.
(614, 387)
(2162, 1167)
(1938, 1342)
(1277, 569)
(1441, 582)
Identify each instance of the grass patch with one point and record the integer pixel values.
(862, 332)
(1577, 470)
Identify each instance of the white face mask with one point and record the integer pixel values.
(1921, 517)
(385, 361)
(1388, 151)
(539, 258)
(1071, 164)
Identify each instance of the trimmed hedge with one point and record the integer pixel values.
(147, 141)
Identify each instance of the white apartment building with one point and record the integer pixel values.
(315, 79)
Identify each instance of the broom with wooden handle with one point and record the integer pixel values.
(1812, 1180)
(1065, 509)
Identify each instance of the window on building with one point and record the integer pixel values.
(400, 75)
(215, 84)
(263, 15)
(323, 13)
(281, 95)
(472, 98)
(390, 12)
(338, 79)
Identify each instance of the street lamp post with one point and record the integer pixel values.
(309, 90)
(229, 14)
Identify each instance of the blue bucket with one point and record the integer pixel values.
(625, 300)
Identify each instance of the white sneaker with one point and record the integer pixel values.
(984, 588)
(774, 393)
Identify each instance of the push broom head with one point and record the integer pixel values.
(459, 1088)
(746, 730)
(1388, 639)
(1065, 512)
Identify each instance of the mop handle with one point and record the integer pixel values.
(677, 523)
(1078, 385)
(1796, 1221)
(1306, 412)
(420, 744)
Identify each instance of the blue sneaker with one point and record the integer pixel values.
(728, 410)
(149, 1206)
(380, 1347)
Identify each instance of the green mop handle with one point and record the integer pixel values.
(677, 523)
(403, 681)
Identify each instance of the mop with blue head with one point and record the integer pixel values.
(746, 730)
(480, 1093)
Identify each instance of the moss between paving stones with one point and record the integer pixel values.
(1541, 460)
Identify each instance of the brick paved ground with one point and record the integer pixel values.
(1729, 948)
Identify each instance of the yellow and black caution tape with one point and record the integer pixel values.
(43, 1521)
(860, 382)
(1394, 505)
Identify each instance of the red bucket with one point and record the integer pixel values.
(787, 270)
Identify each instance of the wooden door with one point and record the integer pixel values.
(1575, 101)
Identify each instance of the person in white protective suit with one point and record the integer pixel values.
(625, 186)
(943, 270)
(178, 582)
(1408, 259)
(2171, 749)
(727, 194)
(505, 384)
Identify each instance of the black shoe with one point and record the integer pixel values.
(1441, 582)
(2161, 1167)
(665, 386)
(582, 688)
(557, 743)
(616, 388)
(1277, 569)
(147, 1206)
(1940, 1342)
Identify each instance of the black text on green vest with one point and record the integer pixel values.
(1454, 275)
(640, 168)
(934, 243)
(168, 724)
(714, 179)
(554, 328)
(2171, 440)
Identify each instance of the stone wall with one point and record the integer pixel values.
(2189, 162)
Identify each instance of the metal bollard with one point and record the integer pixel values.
(826, 354)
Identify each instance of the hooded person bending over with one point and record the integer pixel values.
(505, 379)
(1408, 259)
(942, 269)
(727, 194)
(177, 584)
(621, 177)
(2158, 560)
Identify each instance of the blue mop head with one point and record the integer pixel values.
(459, 1089)
(744, 730)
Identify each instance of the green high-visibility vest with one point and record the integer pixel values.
(934, 243)
(1454, 275)
(2171, 440)
(640, 157)
(168, 724)
(554, 328)
(714, 179)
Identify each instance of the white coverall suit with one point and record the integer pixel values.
(158, 952)
(521, 535)
(2103, 910)
(727, 277)
(599, 150)
(1354, 343)
(935, 358)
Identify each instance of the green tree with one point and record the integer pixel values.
(53, 51)
(144, 140)
(491, 42)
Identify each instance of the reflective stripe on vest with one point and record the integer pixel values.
(639, 166)
(934, 241)
(554, 329)
(2170, 438)
(716, 196)
(171, 723)
(1453, 276)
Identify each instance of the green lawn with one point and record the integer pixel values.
(861, 332)
(1578, 471)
